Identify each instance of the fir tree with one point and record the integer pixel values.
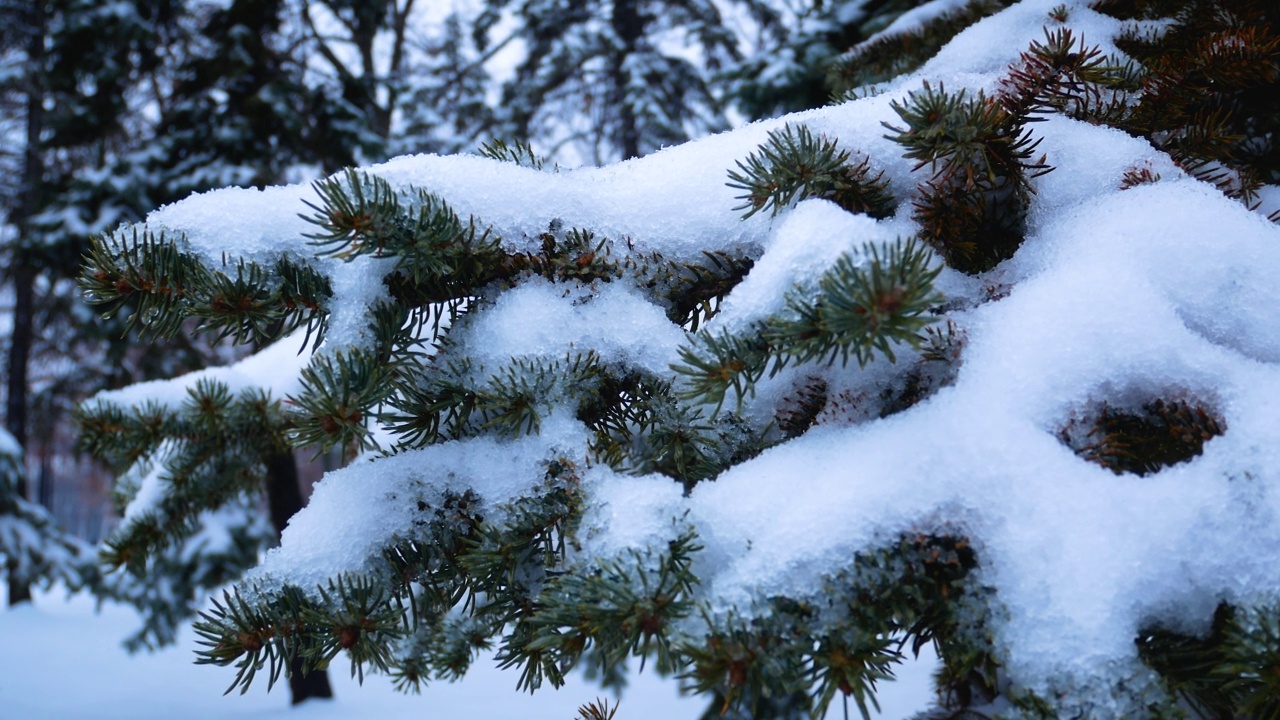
(77, 67)
(35, 550)
(598, 75)
(795, 64)
(538, 479)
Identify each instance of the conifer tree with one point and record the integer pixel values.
(599, 75)
(75, 70)
(34, 549)
(681, 415)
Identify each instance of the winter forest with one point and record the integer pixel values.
(768, 348)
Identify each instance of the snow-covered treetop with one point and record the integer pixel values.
(1135, 293)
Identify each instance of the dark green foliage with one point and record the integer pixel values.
(623, 609)
(501, 577)
(692, 291)
(904, 593)
(1231, 672)
(888, 56)
(339, 391)
(160, 285)
(575, 255)
(209, 449)
(1061, 75)
(1210, 88)
(1157, 435)
(439, 256)
(862, 308)
(981, 160)
(519, 575)
(794, 165)
(455, 399)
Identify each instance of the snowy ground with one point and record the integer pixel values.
(63, 661)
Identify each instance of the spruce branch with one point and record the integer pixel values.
(863, 307)
(597, 710)
(439, 256)
(251, 637)
(625, 608)
(981, 160)
(692, 291)
(1250, 656)
(358, 214)
(145, 272)
(886, 56)
(1209, 86)
(451, 399)
(718, 363)
(359, 619)
(794, 165)
(206, 452)
(518, 152)
(341, 391)
(572, 256)
(1156, 435)
(163, 285)
(1066, 76)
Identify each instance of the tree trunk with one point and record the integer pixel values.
(22, 273)
(628, 27)
(284, 497)
(16, 411)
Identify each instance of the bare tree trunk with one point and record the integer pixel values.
(21, 272)
(284, 497)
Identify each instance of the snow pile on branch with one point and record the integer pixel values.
(1120, 296)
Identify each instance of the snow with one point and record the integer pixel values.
(541, 319)
(74, 668)
(275, 369)
(1117, 296)
(386, 494)
(805, 244)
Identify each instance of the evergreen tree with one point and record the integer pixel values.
(583, 398)
(446, 106)
(76, 67)
(601, 76)
(35, 550)
(241, 112)
(809, 53)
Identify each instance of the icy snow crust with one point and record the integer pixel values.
(1162, 290)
